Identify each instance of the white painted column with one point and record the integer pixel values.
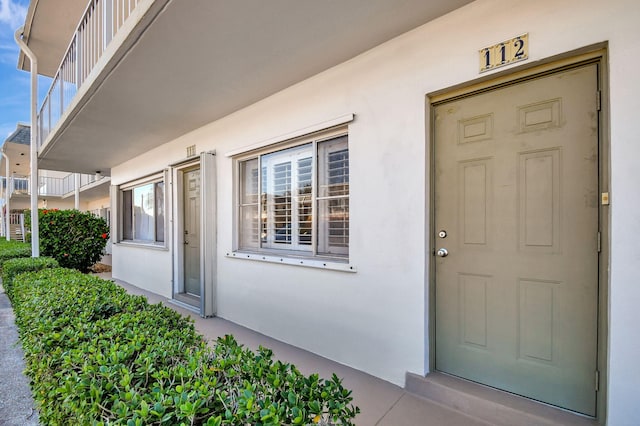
(35, 236)
(76, 191)
(3, 192)
(7, 196)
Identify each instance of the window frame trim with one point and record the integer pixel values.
(283, 255)
(152, 178)
(129, 186)
(318, 262)
(341, 122)
(310, 252)
(318, 198)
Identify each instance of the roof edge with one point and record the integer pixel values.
(23, 64)
(21, 135)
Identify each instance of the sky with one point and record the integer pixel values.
(14, 84)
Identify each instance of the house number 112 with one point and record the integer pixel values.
(504, 53)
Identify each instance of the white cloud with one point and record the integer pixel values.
(12, 13)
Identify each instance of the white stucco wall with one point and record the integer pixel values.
(624, 298)
(101, 203)
(375, 319)
(55, 203)
(24, 203)
(149, 269)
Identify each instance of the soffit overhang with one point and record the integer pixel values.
(197, 61)
(48, 28)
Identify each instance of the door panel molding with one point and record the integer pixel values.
(545, 115)
(177, 184)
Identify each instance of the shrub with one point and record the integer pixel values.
(75, 239)
(97, 355)
(13, 250)
(10, 243)
(12, 267)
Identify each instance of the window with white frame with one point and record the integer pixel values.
(296, 199)
(143, 212)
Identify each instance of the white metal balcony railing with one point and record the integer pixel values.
(89, 179)
(20, 185)
(100, 23)
(17, 185)
(47, 186)
(55, 186)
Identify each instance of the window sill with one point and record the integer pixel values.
(333, 265)
(140, 244)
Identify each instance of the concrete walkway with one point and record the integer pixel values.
(381, 403)
(16, 403)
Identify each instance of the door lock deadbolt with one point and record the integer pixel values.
(442, 234)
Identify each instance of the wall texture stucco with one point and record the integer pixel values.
(377, 318)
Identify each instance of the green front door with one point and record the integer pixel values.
(516, 199)
(191, 215)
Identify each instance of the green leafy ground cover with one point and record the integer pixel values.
(13, 267)
(97, 355)
(13, 249)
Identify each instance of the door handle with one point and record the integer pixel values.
(186, 242)
(442, 252)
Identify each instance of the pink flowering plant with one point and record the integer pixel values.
(75, 239)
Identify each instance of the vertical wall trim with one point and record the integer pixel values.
(208, 235)
(115, 214)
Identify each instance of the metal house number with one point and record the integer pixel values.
(504, 53)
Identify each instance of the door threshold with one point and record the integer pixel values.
(492, 405)
(187, 301)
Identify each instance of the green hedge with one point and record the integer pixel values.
(13, 249)
(75, 239)
(97, 355)
(12, 267)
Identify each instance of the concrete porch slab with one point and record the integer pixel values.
(489, 404)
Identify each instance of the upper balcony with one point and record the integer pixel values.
(135, 74)
(91, 186)
(16, 168)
